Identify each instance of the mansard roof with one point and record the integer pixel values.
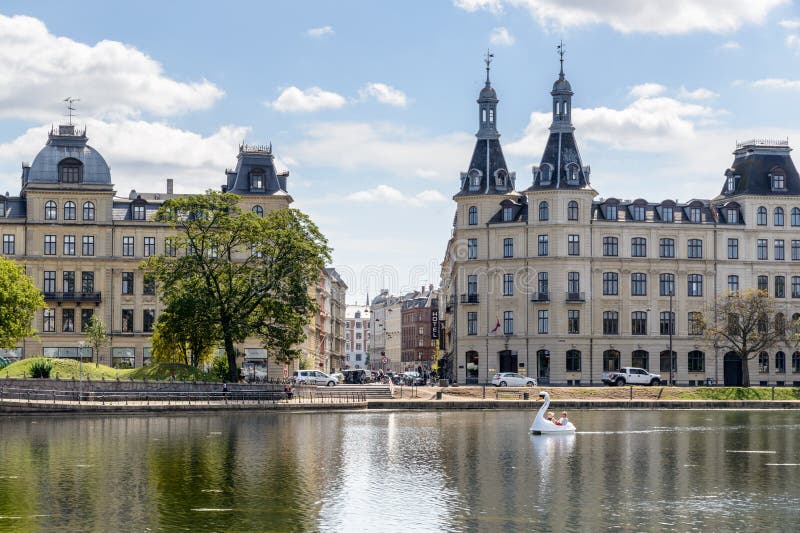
(259, 161)
(67, 142)
(754, 165)
(488, 172)
(560, 157)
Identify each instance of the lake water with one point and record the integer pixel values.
(402, 471)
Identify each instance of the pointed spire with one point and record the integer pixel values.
(561, 51)
(488, 61)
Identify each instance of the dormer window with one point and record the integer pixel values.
(70, 170)
(138, 211)
(695, 215)
(667, 214)
(778, 182)
(732, 215)
(257, 180)
(572, 174)
(733, 182)
(474, 179)
(611, 212)
(500, 179)
(2, 208)
(545, 178)
(508, 214)
(638, 212)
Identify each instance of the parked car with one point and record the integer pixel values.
(631, 376)
(512, 379)
(412, 378)
(356, 376)
(313, 377)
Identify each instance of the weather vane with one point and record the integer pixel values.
(70, 108)
(561, 51)
(488, 61)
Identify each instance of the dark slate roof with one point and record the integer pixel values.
(480, 165)
(15, 207)
(252, 158)
(65, 143)
(558, 163)
(754, 162)
(121, 210)
(519, 211)
(653, 211)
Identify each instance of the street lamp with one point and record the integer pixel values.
(81, 344)
(671, 327)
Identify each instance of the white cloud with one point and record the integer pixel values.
(112, 79)
(317, 33)
(388, 194)
(636, 16)
(501, 37)
(793, 24)
(776, 83)
(385, 94)
(646, 90)
(698, 94)
(293, 99)
(730, 45)
(386, 148)
(793, 42)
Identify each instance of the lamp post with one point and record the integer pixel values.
(81, 344)
(671, 327)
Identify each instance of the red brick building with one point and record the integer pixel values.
(418, 341)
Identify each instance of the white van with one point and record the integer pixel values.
(313, 377)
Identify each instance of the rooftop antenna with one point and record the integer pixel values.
(488, 61)
(561, 51)
(70, 108)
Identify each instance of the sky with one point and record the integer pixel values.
(371, 105)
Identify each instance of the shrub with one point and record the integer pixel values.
(41, 369)
(219, 368)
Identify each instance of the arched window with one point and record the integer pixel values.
(780, 363)
(70, 170)
(545, 179)
(258, 210)
(69, 210)
(572, 210)
(500, 179)
(640, 359)
(573, 361)
(50, 210)
(795, 216)
(696, 361)
(763, 363)
(796, 362)
(778, 218)
(544, 211)
(473, 216)
(257, 180)
(761, 216)
(474, 179)
(88, 211)
(610, 361)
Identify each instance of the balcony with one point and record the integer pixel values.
(540, 297)
(469, 298)
(93, 297)
(576, 297)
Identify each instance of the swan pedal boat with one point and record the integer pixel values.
(541, 426)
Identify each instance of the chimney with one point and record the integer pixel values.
(169, 185)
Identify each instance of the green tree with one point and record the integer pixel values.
(19, 301)
(746, 324)
(96, 336)
(183, 332)
(251, 273)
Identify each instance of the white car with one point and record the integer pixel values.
(512, 379)
(313, 377)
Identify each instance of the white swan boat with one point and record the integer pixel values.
(541, 426)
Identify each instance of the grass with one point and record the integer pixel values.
(740, 393)
(70, 369)
(639, 393)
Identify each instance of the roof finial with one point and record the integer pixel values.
(70, 108)
(561, 51)
(488, 61)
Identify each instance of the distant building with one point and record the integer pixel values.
(357, 337)
(385, 345)
(323, 348)
(419, 336)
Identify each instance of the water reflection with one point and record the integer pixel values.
(400, 471)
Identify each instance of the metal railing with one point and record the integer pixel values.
(540, 297)
(72, 296)
(576, 297)
(469, 298)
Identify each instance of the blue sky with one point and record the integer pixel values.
(371, 105)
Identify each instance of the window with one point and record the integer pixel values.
(545, 179)
(88, 211)
(763, 363)
(761, 283)
(664, 361)
(778, 182)
(149, 284)
(610, 323)
(543, 284)
(733, 283)
(169, 247)
(610, 283)
(780, 324)
(638, 212)
(695, 284)
(573, 282)
(508, 214)
(639, 323)
(544, 211)
(778, 250)
(695, 323)
(795, 286)
(148, 318)
(127, 246)
(472, 285)
(543, 245)
(695, 249)
(543, 322)
(50, 210)
(149, 246)
(795, 250)
(695, 215)
(666, 248)
(667, 214)
(49, 320)
(472, 323)
(796, 362)
(69, 210)
(778, 216)
(611, 212)
(638, 284)
(68, 320)
(508, 322)
(573, 245)
(127, 321)
(761, 250)
(70, 171)
(573, 321)
(69, 244)
(780, 287)
(49, 284)
(8, 244)
(474, 180)
(508, 284)
(127, 283)
(257, 180)
(572, 211)
(666, 323)
(733, 248)
(696, 361)
(573, 361)
(508, 247)
(68, 281)
(666, 284)
(761, 216)
(87, 281)
(795, 216)
(780, 363)
(138, 212)
(86, 317)
(258, 210)
(49, 245)
(472, 248)
(639, 247)
(87, 245)
(473, 216)
(610, 361)
(610, 246)
(639, 359)
(732, 214)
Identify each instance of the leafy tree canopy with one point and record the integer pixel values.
(19, 301)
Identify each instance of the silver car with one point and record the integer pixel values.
(512, 379)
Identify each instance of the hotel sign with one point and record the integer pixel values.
(434, 323)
